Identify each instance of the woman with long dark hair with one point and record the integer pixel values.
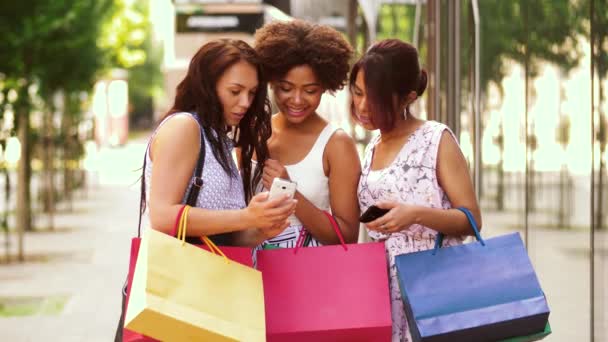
(224, 94)
(414, 168)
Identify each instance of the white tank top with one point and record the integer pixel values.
(312, 184)
(310, 176)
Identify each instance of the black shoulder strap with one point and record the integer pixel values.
(193, 191)
(224, 239)
(197, 179)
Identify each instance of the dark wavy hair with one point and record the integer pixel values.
(391, 68)
(197, 94)
(284, 45)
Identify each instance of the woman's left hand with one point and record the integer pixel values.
(273, 169)
(400, 217)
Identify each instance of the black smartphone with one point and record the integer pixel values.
(372, 213)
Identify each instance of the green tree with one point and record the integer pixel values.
(145, 79)
(124, 33)
(75, 41)
(36, 34)
(529, 33)
(526, 32)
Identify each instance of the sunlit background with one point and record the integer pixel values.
(82, 84)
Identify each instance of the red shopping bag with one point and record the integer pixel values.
(328, 293)
(239, 254)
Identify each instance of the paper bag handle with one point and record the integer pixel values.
(335, 226)
(472, 222)
(178, 220)
(181, 232)
(183, 223)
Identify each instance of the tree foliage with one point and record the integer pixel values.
(540, 31)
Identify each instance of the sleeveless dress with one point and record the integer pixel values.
(411, 178)
(221, 191)
(312, 184)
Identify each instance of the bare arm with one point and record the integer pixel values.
(344, 171)
(453, 176)
(175, 150)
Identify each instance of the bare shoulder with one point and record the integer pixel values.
(448, 146)
(181, 123)
(341, 146)
(449, 155)
(340, 140)
(179, 132)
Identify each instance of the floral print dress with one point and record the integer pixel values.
(411, 178)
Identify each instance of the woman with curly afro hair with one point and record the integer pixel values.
(303, 61)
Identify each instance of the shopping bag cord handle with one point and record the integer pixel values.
(334, 224)
(183, 223)
(440, 236)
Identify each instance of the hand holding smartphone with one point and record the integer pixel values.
(372, 213)
(281, 187)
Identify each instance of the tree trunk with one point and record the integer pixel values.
(366, 37)
(6, 207)
(24, 213)
(500, 191)
(600, 198)
(7, 197)
(66, 124)
(351, 24)
(49, 174)
(602, 136)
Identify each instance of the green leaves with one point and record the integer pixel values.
(124, 35)
(548, 30)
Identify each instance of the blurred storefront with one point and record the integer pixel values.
(195, 22)
(110, 109)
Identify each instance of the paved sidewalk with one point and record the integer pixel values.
(87, 259)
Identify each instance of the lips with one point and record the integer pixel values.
(296, 111)
(364, 120)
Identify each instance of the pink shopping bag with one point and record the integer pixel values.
(329, 293)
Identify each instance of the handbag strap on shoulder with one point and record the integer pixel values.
(193, 191)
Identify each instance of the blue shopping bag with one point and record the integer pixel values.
(482, 291)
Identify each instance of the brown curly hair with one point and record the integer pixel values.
(284, 45)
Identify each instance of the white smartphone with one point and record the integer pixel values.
(281, 187)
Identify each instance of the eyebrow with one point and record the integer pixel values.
(242, 86)
(305, 85)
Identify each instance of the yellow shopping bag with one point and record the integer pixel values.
(183, 293)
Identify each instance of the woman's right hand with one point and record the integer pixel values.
(270, 215)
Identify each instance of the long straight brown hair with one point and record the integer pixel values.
(197, 94)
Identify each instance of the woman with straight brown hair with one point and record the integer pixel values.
(220, 104)
(223, 95)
